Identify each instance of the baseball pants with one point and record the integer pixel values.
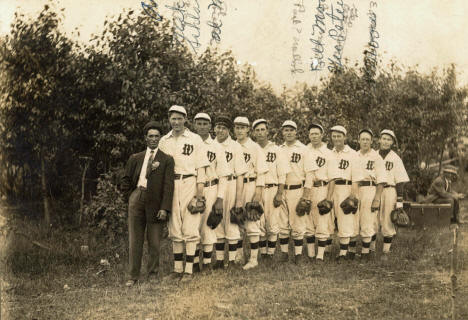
(269, 220)
(346, 222)
(387, 204)
(226, 229)
(365, 218)
(252, 228)
(208, 235)
(318, 225)
(183, 225)
(288, 218)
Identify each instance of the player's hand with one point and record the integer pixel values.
(375, 205)
(460, 196)
(257, 197)
(277, 200)
(161, 215)
(218, 206)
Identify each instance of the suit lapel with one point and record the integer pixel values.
(140, 159)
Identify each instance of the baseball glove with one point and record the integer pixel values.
(254, 210)
(400, 218)
(197, 205)
(303, 207)
(237, 215)
(324, 206)
(214, 219)
(349, 205)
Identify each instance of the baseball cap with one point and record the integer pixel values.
(289, 123)
(340, 129)
(178, 109)
(257, 122)
(389, 132)
(224, 120)
(450, 169)
(369, 131)
(315, 125)
(242, 121)
(202, 115)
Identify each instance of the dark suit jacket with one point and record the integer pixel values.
(160, 185)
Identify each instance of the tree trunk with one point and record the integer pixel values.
(45, 194)
(83, 181)
(441, 157)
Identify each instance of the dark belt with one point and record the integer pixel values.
(389, 186)
(320, 183)
(231, 177)
(249, 179)
(367, 183)
(211, 183)
(270, 185)
(182, 176)
(343, 182)
(292, 186)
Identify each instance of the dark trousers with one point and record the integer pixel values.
(136, 232)
(455, 206)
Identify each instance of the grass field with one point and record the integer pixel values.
(413, 284)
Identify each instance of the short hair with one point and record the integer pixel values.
(151, 125)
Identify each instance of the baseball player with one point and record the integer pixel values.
(297, 188)
(392, 195)
(254, 182)
(346, 163)
(234, 188)
(321, 226)
(190, 160)
(275, 178)
(373, 179)
(215, 187)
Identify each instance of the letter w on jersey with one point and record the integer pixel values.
(271, 157)
(320, 161)
(388, 165)
(370, 165)
(187, 150)
(295, 157)
(246, 157)
(344, 164)
(228, 156)
(211, 156)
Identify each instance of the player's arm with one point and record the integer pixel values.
(331, 188)
(309, 181)
(239, 190)
(201, 178)
(258, 196)
(309, 167)
(381, 180)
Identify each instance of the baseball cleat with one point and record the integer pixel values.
(298, 259)
(284, 257)
(340, 259)
(351, 255)
(219, 264)
(186, 277)
(239, 258)
(196, 268)
(175, 275)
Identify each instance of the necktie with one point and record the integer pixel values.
(150, 162)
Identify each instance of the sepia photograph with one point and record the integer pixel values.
(233, 159)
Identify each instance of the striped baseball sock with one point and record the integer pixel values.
(352, 245)
(329, 245)
(190, 249)
(372, 245)
(321, 248)
(263, 245)
(207, 252)
(284, 244)
(219, 246)
(344, 242)
(311, 246)
(366, 241)
(254, 243)
(196, 258)
(298, 243)
(232, 250)
(272, 238)
(178, 251)
(387, 244)
(240, 252)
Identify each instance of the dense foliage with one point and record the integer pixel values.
(61, 100)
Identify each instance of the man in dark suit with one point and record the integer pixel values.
(149, 183)
(441, 191)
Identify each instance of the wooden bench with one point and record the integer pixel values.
(428, 214)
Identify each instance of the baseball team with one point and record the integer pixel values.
(226, 190)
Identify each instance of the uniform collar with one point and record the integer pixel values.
(186, 133)
(371, 152)
(247, 141)
(322, 147)
(296, 143)
(226, 142)
(208, 140)
(346, 149)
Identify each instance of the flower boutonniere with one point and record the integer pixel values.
(154, 165)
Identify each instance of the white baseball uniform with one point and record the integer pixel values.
(215, 186)
(255, 177)
(321, 226)
(372, 170)
(396, 173)
(189, 153)
(278, 168)
(347, 165)
(301, 163)
(237, 167)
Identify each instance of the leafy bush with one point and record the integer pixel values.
(106, 214)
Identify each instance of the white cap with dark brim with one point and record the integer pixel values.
(289, 123)
(389, 132)
(340, 129)
(203, 116)
(242, 121)
(369, 131)
(450, 169)
(178, 109)
(257, 122)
